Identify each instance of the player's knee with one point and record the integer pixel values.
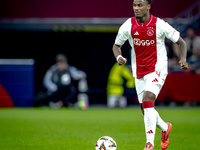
(149, 96)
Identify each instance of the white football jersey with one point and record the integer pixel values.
(147, 42)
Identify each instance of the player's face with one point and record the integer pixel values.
(141, 8)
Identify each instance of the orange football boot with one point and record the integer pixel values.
(165, 137)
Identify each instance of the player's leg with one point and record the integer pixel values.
(155, 87)
(141, 107)
(152, 117)
(159, 122)
(146, 100)
(149, 116)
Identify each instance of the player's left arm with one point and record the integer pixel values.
(173, 35)
(183, 52)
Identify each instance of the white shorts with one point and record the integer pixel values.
(152, 82)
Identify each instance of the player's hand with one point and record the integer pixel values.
(183, 64)
(122, 61)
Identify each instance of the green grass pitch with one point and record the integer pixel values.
(72, 129)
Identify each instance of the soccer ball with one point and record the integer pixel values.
(106, 143)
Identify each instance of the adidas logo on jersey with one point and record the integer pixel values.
(155, 80)
(136, 33)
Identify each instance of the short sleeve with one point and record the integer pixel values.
(123, 33)
(170, 32)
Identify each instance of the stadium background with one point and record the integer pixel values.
(83, 30)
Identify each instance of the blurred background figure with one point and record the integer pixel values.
(60, 80)
(120, 86)
(193, 49)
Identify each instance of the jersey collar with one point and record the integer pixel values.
(146, 23)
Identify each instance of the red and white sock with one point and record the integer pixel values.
(149, 120)
(160, 123)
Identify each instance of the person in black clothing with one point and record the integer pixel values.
(59, 82)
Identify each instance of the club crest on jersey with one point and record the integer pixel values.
(150, 32)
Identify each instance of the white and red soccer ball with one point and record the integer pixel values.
(106, 143)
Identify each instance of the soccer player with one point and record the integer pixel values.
(146, 35)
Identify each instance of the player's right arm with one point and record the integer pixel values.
(117, 53)
(122, 36)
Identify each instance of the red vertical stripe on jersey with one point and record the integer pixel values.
(144, 42)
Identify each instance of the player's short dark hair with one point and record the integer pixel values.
(149, 1)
